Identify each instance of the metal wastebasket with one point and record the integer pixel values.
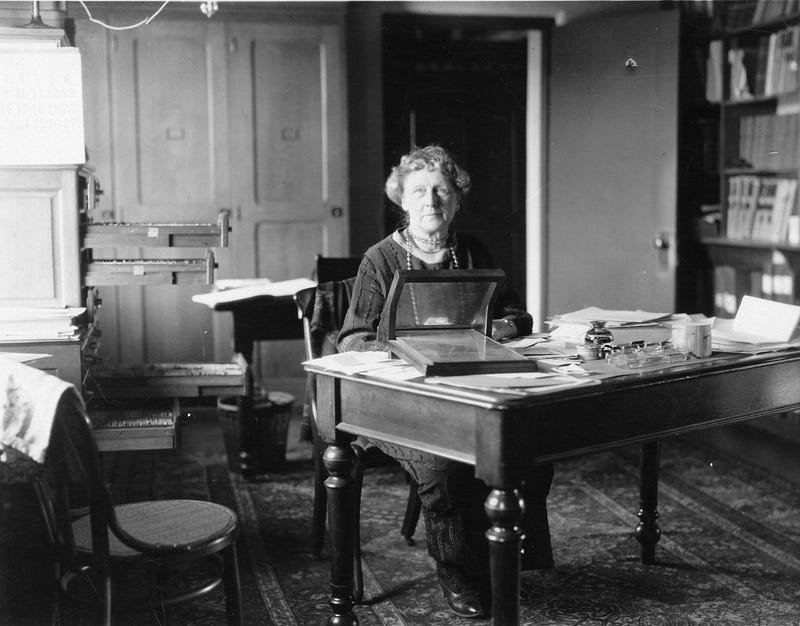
(271, 414)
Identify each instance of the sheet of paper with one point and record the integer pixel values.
(267, 288)
(398, 370)
(769, 320)
(612, 317)
(23, 357)
(540, 382)
(353, 362)
(506, 380)
(236, 283)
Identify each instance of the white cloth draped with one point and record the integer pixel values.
(29, 400)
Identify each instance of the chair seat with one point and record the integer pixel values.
(184, 525)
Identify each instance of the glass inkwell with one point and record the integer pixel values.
(594, 340)
(598, 334)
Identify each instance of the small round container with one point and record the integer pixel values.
(588, 352)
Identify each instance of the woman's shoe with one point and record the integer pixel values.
(462, 598)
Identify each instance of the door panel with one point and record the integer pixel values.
(166, 146)
(612, 162)
(287, 128)
(170, 124)
(282, 247)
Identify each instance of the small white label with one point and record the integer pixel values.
(152, 232)
(138, 270)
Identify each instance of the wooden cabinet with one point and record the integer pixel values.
(757, 249)
(40, 251)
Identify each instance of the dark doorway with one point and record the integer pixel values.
(461, 83)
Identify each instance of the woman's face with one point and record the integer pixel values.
(430, 201)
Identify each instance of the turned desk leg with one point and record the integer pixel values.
(338, 459)
(504, 508)
(647, 530)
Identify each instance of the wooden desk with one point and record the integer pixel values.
(500, 434)
(263, 318)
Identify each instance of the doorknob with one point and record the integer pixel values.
(337, 211)
(661, 241)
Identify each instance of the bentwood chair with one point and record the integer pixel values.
(157, 540)
(322, 310)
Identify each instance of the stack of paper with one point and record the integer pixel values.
(18, 324)
(572, 327)
(612, 318)
(375, 364)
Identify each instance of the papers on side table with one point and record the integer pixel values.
(237, 290)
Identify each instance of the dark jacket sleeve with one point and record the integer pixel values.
(359, 330)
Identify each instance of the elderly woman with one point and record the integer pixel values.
(429, 186)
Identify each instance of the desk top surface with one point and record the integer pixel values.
(605, 378)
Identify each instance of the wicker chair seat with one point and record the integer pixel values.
(187, 526)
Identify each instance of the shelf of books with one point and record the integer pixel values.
(753, 73)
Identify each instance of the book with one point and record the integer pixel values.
(734, 198)
(783, 207)
(714, 71)
(769, 80)
(748, 205)
(763, 218)
(782, 279)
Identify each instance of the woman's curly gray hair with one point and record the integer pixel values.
(432, 158)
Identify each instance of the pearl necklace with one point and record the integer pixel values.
(407, 244)
(437, 241)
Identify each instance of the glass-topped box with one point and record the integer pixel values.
(440, 321)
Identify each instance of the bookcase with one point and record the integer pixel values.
(754, 77)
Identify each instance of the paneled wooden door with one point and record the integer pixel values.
(287, 130)
(210, 115)
(613, 142)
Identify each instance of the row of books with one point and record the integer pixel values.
(776, 281)
(744, 13)
(767, 67)
(761, 208)
(769, 141)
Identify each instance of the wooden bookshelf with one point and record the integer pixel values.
(757, 251)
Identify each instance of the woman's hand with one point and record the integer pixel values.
(503, 328)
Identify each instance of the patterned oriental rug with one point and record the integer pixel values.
(729, 553)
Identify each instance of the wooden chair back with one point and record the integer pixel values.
(330, 269)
